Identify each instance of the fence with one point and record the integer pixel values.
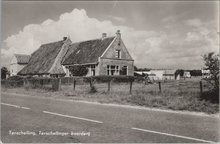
(105, 83)
(12, 83)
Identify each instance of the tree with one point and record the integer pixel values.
(195, 72)
(179, 72)
(78, 70)
(212, 64)
(135, 68)
(4, 72)
(141, 69)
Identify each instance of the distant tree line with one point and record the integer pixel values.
(192, 72)
(195, 72)
(141, 69)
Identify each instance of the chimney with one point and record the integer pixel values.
(104, 35)
(118, 34)
(64, 38)
(67, 40)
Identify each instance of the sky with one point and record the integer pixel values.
(158, 35)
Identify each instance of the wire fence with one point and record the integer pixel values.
(126, 84)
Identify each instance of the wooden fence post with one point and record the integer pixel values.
(201, 90)
(41, 83)
(59, 88)
(109, 85)
(159, 86)
(74, 84)
(25, 82)
(130, 87)
(90, 82)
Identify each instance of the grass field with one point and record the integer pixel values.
(175, 95)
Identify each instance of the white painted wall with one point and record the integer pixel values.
(15, 67)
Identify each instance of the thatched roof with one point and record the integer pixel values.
(49, 57)
(43, 59)
(22, 59)
(87, 51)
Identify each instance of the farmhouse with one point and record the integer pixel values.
(103, 56)
(169, 74)
(186, 74)
(158, 74)
(18, 62)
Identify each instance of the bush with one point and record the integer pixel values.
(212, 64)
(93, 89)
(36, 82)
(13, 81)
(109, 78)
(212, 96)
(78, 70)
(4, 72)
(15, 78)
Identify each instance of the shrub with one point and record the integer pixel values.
(4, 72)
(212, 63)
(15, 78)
(109, 78)
(13, 81)
(78, 70)
(93, 89)
(212, 96)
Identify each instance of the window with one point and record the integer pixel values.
(124, 70)
(117, 70)
(117, 53)
(93, 70)
(112, 70)
(108, 70)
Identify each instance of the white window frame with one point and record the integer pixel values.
(114, 68)
(118, 54)
(92, 69)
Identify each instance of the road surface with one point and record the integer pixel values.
(28, 119)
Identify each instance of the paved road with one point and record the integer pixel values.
(34, 119)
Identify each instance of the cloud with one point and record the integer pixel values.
(80, 27)
(203, 36)
(119, 19)
(168, 19)
(155, 49)
(193, 22)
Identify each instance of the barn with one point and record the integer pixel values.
(102, 56)
(169, 74)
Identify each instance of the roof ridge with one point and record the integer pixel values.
(22, 54)
(77, 41)
(92, 40)
(51, 42)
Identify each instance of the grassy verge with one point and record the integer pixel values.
(175, 95)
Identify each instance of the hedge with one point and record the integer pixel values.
(101, 79)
